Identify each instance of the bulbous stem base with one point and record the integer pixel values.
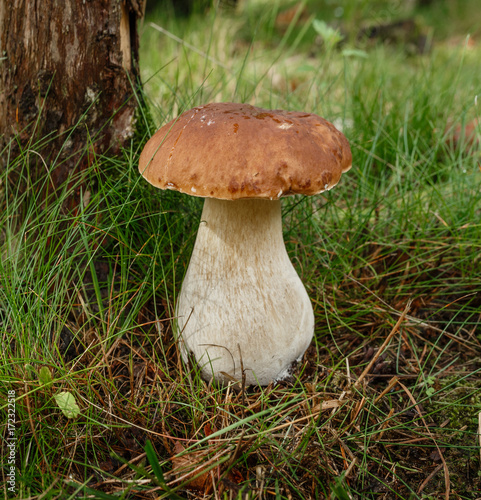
(242, 306)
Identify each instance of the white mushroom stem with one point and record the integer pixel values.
(242, 303)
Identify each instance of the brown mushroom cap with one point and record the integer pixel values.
(232, 151)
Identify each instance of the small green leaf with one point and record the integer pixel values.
(67, 404)
(44, 376)
(330, 36)
(306, 67)
(355, 53)
(29, 368)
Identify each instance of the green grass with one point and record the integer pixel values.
(90, 296)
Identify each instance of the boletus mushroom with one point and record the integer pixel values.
(242, 309)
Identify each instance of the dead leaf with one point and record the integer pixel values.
(195, 469)
(326, 405)
(436, 455)
(298, 14)
(463, 135)
(189, 468)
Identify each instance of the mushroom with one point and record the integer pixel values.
(242, 310)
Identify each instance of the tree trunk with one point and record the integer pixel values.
(68, 70)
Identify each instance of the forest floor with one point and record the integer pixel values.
(386, 402)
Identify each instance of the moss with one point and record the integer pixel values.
(458, 400)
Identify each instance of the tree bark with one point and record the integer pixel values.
(68, 71)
